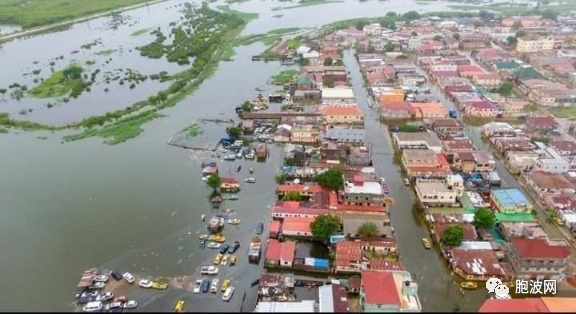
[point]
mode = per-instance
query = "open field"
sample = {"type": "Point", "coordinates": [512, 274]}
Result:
{"type": "Point", "coordinates": [564, 112]}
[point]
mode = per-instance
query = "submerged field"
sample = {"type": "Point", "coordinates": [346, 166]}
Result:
{"type": "Point", "coordinates": [31, 13]}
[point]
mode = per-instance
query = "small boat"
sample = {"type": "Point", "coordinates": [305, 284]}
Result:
{"type": "Point", "coordinates": [217, 238]}
{"type": "Point", "coordinates": [238, 168]}
{"type": "Point", "coordinates": [215, 155]}
{"type": "Point", "coordinates": [250, 180]}
{"type": "Point", "coordinates": [426, 243]}
{"type": "Point", "coordinates": [214, 245]}
{"type": "Point", "coordinates": [234, 221]}
{"type": "Point", "coordinates": [224, 150]}
{"type": "Point", "coordinates": [251, 170]}
{"type": "Point", "coordinates": [203, 217]}
{"type": "Point", "coordinates": [239, 155]}
{"type": "Point", "coordinates": [202, 244]}
{"type": "Point", "coordinates": [230, 157]}
{"type": "Point", "coordinates": [233, 197]}
{"type": "Point", "coordinates": [204, 236]}
{"type": "Point", "coordinates": [468, 285]}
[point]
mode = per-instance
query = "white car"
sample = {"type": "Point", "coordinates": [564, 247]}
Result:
{"type": "Point", "coordinates": [215, 285]}
{"type": "Point", "coordinates": [197, 286]}
{"type": "Point", "coordinates": [129, 277]}
{"type": "Point", "coordinates": [101, 278]}
{"type": "Point", "coordinates": [113, 305]}
{"type": "Point", "coordinates": [209, 270]}
{"type": "Point", "coordinates": [132, 304]}
{"type": "Point", "coordinates": [145, 283]}
{"type": "Point", "coordinates": [95, 306]}
{"type": "Point", "coordinates": [228, 294]}
{"type": "Point", "coordinates": [105, 297]}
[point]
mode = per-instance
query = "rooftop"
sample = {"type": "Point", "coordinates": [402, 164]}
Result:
{"type": "Point", "coordinates": [373, 188]}
{"type": "Point", "coordinates": [306, 306]}
{"type": "Point", "coordinates": [432, 187]}
{"type": "Point", "coordinates": [510, 197]}
{"type": "Point", "coordinates": [540, 249]}
{"type": "Point", "coordinates": [297, 224]}
{"type": "Point", "coordinates": [429, 137]}
{"type": "Point", "coordinates": [332, 299]}
{"type": "Point", "coordinates": [340, 111]}
{"type": "Point", "coordinates": [419, 154]}
{"type": "Point", "coordinates": [478, 262]}
{"type": "Point", "coordinates": [379, 288]}
{"type": "Point", "coordinates": [342, 93]}
{"type": "Point", "coordinates": [347, 252]}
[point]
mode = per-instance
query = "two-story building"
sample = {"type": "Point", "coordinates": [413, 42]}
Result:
{"type": "Point", "coordinates": [539, 259]}
{"type": "Point", "coordinates": [510, 200]}
{"type": "Point", "coordinates": [474, 161]}
{"type": "Point", "coordinates": [439, 192]}
{"type": "Point", "coordinates": [341, 114]}
{"type": "Point", "coordinates": [358, 191]}
{"type": "Point", "coordinates": [448, 127]}
{"type": "Point", "coordinates": [552, 162]}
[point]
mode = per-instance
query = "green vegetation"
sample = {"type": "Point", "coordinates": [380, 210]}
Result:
{"type": "Point", "coordinates": [281, 178]}
{"type": "Point", "coordinates": [408, 128]}
{"type": "Point", "coordinates": [484, 218]}
{"type": "Point", "coordinates": [192, 131]}
{"type": "Point", "coordinates": [563, 112]}
{"type": "Point", "coordinates": [292, 196]}
{"type": "Point", "coordinates": [324, 226]}
{"type": "Point", "coordinates": [247, 106]}
{"type": "Point", "coordinates": [369, 230]}
{"type": "Point", "coordinates": [306, 3]}
{"type": "Point", "coordinates": [268, 38]}
{"type": "Point", "coordinates": [453, 235]}
{"type": "Point", "coordinates": [331, 179]}
{"type": "Point", "coordinates": [140, 32]}
{"type": "Point", "coordinates": [118, 132]}
{"type": "Point", "coordinates": [214, 181]}
{"type": "Point", "coordinates": [105, 52]}
{"type": "Point", "coordinates": [61, 83]}
{"type": "Point", "coordinates": [284, 77]}
{"type": "Point", "coordinates": [31, 13]}
{"type": "Point", "coordinates": [506, 88]}
{"type": "Point", "coordinates": [2, 130]}
{"type": "Point", "coordinates": [277, 16]}
{"type": "Point", "coordinates": [521, 9]}
{"type": "Point", "coordinates": [234, 132]}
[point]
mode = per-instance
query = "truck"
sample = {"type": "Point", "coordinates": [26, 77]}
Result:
{"type": "Point", "coordinates": [255, 249]}
{"type": "Point", "coordinates": [453, 113]}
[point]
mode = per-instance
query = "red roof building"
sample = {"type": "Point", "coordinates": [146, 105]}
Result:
{"type": "Point", "coordinates": [348, 256]}
{"type": "Point", "coordinates": [539, 258]}
{"type": "Point", "coordinates": [479, 264]}
{"type": "Point", "coordinates": [272, 253]}
{"type": "Point", "coordinates": [274, 228]}
{"type": "Point", "coordinates": [469, 71]}
{"type": "Point", "coordinates": [297, 226]}
{"type": "Point", "coordinates": [379, 289]}
{"type": "Point", "coordinates": [292, 211]}
{"type": "Point", "coordinates": [287, 252]}
{"type": "Point", "coordinates": [528, 305]}
{"type": "Point", "coordinates": [301, 189]}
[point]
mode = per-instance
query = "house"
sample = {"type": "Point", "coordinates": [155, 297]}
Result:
{"type": "Point", "coordinates": [528, 230]}
{"type": "Point", "coordinates": [345, 114]}
{"type": "Point", "coordinates": [514, 107]}
{"type": "Point", "coordinates": [552, 162]}
{"type": "Point", "coordinates": [529, 44]}
{"type": "Point", "coordinates": [479, 264]}
{"type": "Point", "coordinates": [351, 136]}
{"type": "Point", "coordinates": [306, 95]}
{"type": "Point", "coordinates": [521, 161]}
{"type": "Point", "coordinates": [351, 222]}
{"type": "Point", "coordinates": [538, 259]}
{"type": "Point", "coordinates": [564, 147]}
{"type": "Point", "coordinates": [287, 251]}
{"type": "Point", "coordinates": [504, 145]}
{"type": "Point", "coordinates": [417, 140]}
{"type": "Point", "coordinates": [429, 110]}
{"type": "Point", "coordinates": [542, 124]}
{"type": "Point", "coordinates": [388, 291]}
{"type": "Point", "coordinates": [304, 306]}
{"type": "Point", "coordinates": [274, 229]}
{"type": "Point", "coordinates": [469, 230]}
{"type": "Point", "coordinates": [395, 110]}
{"type": "Point", "coordinates": [425, 163]}
{"type": "Point", "coordinates": [298, 227]}
{"type": "Point", "coordinates": [481, 109]}
{"type": "Point", "coordinates": [304, 190]}
{"type": "Point", "coordinates": [272, 257]}
{"type": "Point", "coordinates": [332, 299]}
{"type": "Point", "coordinates": [358, 191]}
{"type": "Point", "coordinates": [305, 83]}
{"type": "Point", "coordinates": [454, 84]}
{"type": "Point", "coordinates": [543, 182]}
{"type": "Point", "coordinates": [392, 95]}
{"type": "Point", "coordinates": [294, 210]}
{"type": "Point", "coordinates": [229, 184]}
{"type": "Point", "coordinates": [469, 71]}
{"type": "Point", "coordinates": [439, 192]}
{"type": "Point", "coordinates": [473, 40]}
{"type": "Point", "coordinates": [488, 80]}
{"type": "Point", "coordinates": [474, 161]}
{"type": "Point", "coordinates": [447, 127]}
{"type": "Point", "coordinates": [522, 305]}
{"type": "Point", "coordinates": [348, 257]}
{"type": "Point", "coordinates": [305, 134]}
{"type": "Point", "coordinates": [510, 200]}
{"type": "Point", "coordinates": [338, 95]}
{"type": "Point", "coordinates": [381, 246]}
{"type": "Point", "coordinates": [360, 156]}
{"type": "Point", "coordinates": [283, 133]}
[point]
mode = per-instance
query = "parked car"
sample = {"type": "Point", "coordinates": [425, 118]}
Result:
{"type": "Point", "coordinates": [224, 248]}
{"type": "Point", "coordinates": [97, 285]}
{"type": "Point", "coordinates": [85, 300]}
{"type": "Point", "coordinates": [228, 294]}
{"type": "Point", "coordinates": [232, 260]}
{"type": "Point", "coordinates": [129, 277]}
{"type": "Point", "coordinates": [105, 297]}
{"type": "Point", "coordinates": [116, 275]}
{"type": "Point", "coordinates": [218, 259]}
{"type": "Point", "coordinates": [101, 278]}
{"type": "Point", "coordinates": [92, 293]}
{"type": "Point", "coordinates": [197, 286]}
{"type": "Point", "coordinates": [132, 304]}
{"type": "Point", "coordinates": [225, 285]}
{"type": "Point", "coordinates": [205, 285]}
{"type": "Point", "coordinates": [209, 270]}
{"type": "Point", "coordinates": [215, 285]}
{"type": "Point", "coordinates": [235, 247]}
{"type": "Point", "coordinates": [114, 305]}
{"type": "Point", "coordinates": [180, 306]}
{"type": "Point", "coordinates": [145, 283]}
{"type": "Point", "coordinates": [260, 228]}
{"type": "Point", "coordinates": [95, 306]}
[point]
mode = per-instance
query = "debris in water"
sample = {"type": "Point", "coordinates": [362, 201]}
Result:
{"type": "Point", "coordinates": [179, 261]}
{"type": "Point", "coordinates": [173, 213]}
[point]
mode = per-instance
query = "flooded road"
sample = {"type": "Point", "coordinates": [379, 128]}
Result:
{"type": "Point", "coordinates": [68, 207]}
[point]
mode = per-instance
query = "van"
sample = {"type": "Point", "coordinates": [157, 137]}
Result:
{"type": "Point", "coordinates": [228, 294]}
{"type": "Point", "coordinates": [95, 306]}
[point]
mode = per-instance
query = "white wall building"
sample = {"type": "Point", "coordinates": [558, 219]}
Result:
{"type": "Point", "coordinates": [553, 162]}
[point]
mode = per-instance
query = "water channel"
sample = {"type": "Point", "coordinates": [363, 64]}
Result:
{"type": "Point", "coordinates": [137, 206]}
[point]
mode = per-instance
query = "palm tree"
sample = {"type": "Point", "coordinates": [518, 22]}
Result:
{"type": "Point", "coordinates": [369, 230]}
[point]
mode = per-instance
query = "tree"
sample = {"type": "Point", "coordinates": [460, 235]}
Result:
{"type": "Point", "coordinates": [453, 235]}
{"type": "Point", "coordinates": [520, 34]}
{"type": "Point", "coordinates": [389, 47]}
{"type": "Point", "coordinates": [456, 36]}
{"type": "Point", "coordinates": [281, 178]}
{"type": "Point", "coordinates": [214, 181]}
{"type": "Point", "coordinates": [391, 14]}
{"type": "Point", "coordinates": [506, 88]}
{"type": "Point", "coordinates": [234, 132]}
{"type": "Point", "coordinates": [511, 40]}
{"type": "Point", "coordinates": [328, 61]}
{"type": "Point", "coordinates": [477, 24]}
{"type": "Point", "coordinates": [486, 15]}
{"type": "Point", "coordinates": [411, 16]}
{"type": "Point", "coordinates": [328, 82]}
{"type": "Point", "coordinates": [438, 37]}
{"type": "Point", "coordinates": [331, 179]}
{"type": "Point", "coordinates": [292, 196]}
{"type": "Point", "coordinates": [369, 230]}
{"type": "Point", "coordinates": [289, 162]}
{"type": "Point", "coordinates": [247, 106]}
{"type": "Point", "coordinates": [517, 25]}
{"type": "Point", "coordinates": [414, 34]}
{"type": "Point", "coordinates": [303, 62]}
{"type": "Point", "coordinates": [484, 218]}
{"type": "Point", "coordinates": [360, 25]}
{"type": "Point", "coordinates": [324, 226]}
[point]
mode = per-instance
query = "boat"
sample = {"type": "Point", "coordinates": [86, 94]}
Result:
{"type": "Point", "coordinates": [426, 243]}
{"type": "Point", "coordinates": [202, 244]}
{"type": "Point", "coordinates": [468, 285]}
{"type": "Point", "coordinates": [239, 155]}
{"type": "Point", "coordinates": [234, 221]}
{"type": "Point", "coordinates": [215, 224]}
{"type": "Point", "coordinates": [238, 168]}
{"type": "Point", "coordinates": [204, 236]}
{"type": "Point", "coordinates": [214, 245]}
{"type": "Point", "coordinates": [230, 157]}
{"type": "Point", "coordinates": [217, 238]}
{"type": "Point", "coordinates": [232, 260]}
{"type": "Point", "coordinates": [250, 180]}
{"type": "Point", "coordinates": [251, 170]}
{"type": "Point", "coordinates": [224, 150]}
{"type": "Point", "coordinates": [233, 197]}
{"type": "Point", "coordinates": [203, 217]}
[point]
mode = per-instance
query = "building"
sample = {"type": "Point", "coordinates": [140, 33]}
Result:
{"type": "Point", "coordinates": [392, 95]}
{"type": "Point", "coordinates": [498, 129]}
{"type": "Point", "coordinates": [305, 306]}
{"type": "Point", "coordinates": [351, 136]}
{"type": "Point", "coordinates": [389, 291]}
{"type": "Point", "coordinates": [341, 114]}
{"type": "Point", "coordinates": [448, 127]}
{"type": "Point", "coordinates": [332, 299]}
{"type": "Point", "coordinates": [439, 192]}
{"type": "Point", "coordinates": [552, 162]}
{"type": "Point", "coordinates": [395, 110]}
{"type": "Point", "coordinates": [358, 191]}
{"type": "Point", "coordinates": [521, 161]}
{"type": "Point", "coordinates": [280, 253]}
{"type": "Point", "coordinates": [305, 134]}
{"type": "Point", "coordinates": [510, 200]}
{"type": "Point", "coordinates": [338, 95]}
{"type": "Point", "coordinates": [542, 124]}
{"type": "Point", "coordinates": [419, 158]}
{"type": "Point", "coordinates": [229, 184]}
{"type": "Point", "coordinates": [474, 161]}
{"type": "Point", "coordinates": [534, 44]}
{"type": "Point", "coordinates": [564, 147]}
{"type": "Point", "coordinates": [526, 305]}
{"type": "Point", "coordinates": [528, 230]}
{"type": "Point", "coordinates": [478, 264]}
{"type": "Point", "coordinates": [538, 259]}
{"type": "Point", "coordinates": [348, 257]}
{"type": "Point", "coordinates": [424, 110]}
{"type": "Point", "coordinates": [297, 227]}
{"type": "Point", "coordinates": [483, 109]}
{"type": "Point", "coordinates": [360, 156]}
{"type": "Point", "coordinates": [417, 140]}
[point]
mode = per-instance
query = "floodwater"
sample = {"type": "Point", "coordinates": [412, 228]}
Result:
{"type": "Point", "coordinates": [137, 206]}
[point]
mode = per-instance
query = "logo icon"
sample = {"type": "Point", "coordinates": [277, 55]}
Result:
{"type": "Point", "coordinates": [501, 292]}
{"type": "Point", "coordinates": [492, 283]}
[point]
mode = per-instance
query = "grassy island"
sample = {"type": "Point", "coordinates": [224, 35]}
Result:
{"type": "Point", "coordinates": [61, 83]}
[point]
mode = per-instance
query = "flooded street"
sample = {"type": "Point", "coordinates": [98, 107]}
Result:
{"type": "Point", "coordinates": [137, 206]}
